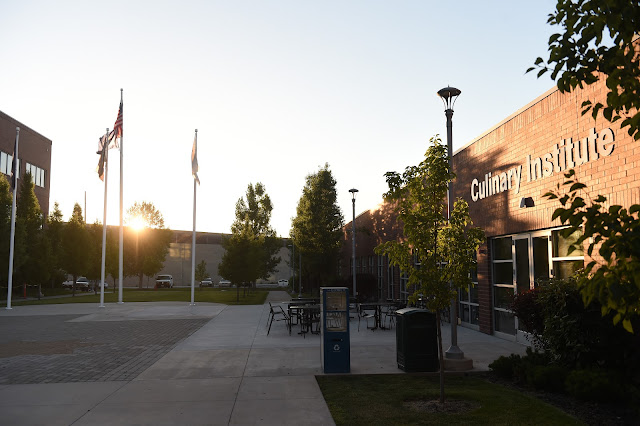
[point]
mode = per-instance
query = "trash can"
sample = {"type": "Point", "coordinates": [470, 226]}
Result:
{"type": "Point", "coordinates": [416, 340]}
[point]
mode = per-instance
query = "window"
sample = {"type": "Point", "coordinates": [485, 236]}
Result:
{"type": "Point", "coordinates": [390, 275]}
{"type": "Point", "coordinates": [565, 257]}
{"type": "Point", "coordinates": [520, 262]}
{"type": "Point", "coordinates": [468, 298]}
{"type": "Point", "coordinates": [404, 280]}
{"type": "Point", "coordinates": [503, 286]}
{"type": "Point", "coordinates": [37, 175]}
{"type": "Point", "coordinates": [6, 164]}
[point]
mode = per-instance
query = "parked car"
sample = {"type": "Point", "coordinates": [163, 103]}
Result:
{"type": "Point", "coordinates": [207, 282]}
{"type": "Point", "coordinates": [68, 284]}
{"type": "Point", "coordinates": [164, 281]}
{"type": "Point", "coordinates": [96, 285]}
{"type": "Point", "coordinates": [224, 283]}
{"type": "Point", "coordinates": [82, 283]}
{"type": "Point", "coordinates": [283, 283]}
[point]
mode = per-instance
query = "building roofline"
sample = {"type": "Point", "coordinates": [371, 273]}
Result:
{"type": "Point", "coordinates": [509, 118]}
{"type": "Point", "coordinates": [23, 126]}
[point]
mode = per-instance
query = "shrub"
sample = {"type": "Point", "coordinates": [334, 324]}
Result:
{"type": "Point", "coordinates": [594, 385]}
{"type": "Point", "coordinates": [505, 366]}
{"type": "Point", "coordinates": [529, 312]}
{"type": "Point", "coordinates": [547, 377]}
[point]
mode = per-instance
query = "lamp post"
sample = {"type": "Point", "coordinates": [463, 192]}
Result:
{"type": "Point", "coordinates": [291, 270]}
{"type": "Point", "coordinates": [353, 192]}
{"type": "Point", "coordinates": [449, 96]}
{"type": "Point", "coordinates": [300, 280]}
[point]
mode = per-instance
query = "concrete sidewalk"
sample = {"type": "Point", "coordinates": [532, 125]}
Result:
{"type": "Point", "coordinates": [227, 371]}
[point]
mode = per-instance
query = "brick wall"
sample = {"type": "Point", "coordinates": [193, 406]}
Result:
{"type": "Point", "coordinates": [607, 160]}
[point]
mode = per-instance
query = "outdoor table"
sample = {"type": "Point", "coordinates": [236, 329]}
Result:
{"type": "Point", "coordinates": [377, 312]}
{"type": "Point", "coordinates": [307, 315]}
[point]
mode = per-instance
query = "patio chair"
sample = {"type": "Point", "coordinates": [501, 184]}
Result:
{"type": "Point", "coordinates": [389, 313]}
{"type": "Point", "coordinates": [365, 313]}
{"type": "Point", "coordinates": [276, 313]}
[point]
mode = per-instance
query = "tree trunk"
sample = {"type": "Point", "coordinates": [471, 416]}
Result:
{"type": "Point", "coordinates": [441, 357]}
{"type": "Point", "coordinates": [140, 280]}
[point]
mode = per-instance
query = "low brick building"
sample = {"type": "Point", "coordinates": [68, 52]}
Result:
{"type": "Point", "coordinates": [503, 175]}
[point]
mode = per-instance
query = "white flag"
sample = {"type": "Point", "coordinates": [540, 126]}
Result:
{"type": "Point", "coordinates": [194, 158]}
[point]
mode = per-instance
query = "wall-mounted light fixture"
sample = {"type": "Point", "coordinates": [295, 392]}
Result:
{"type": "Point", "coordinates": [526, 202]}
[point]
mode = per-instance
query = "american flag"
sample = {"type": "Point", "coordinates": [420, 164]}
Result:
{"type": "Point", "coordinates": [117, 127]}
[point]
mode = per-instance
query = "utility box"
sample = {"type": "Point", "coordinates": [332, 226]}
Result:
{"type": "Point", "coordinates": [334, 322]}
{"type": "Point", "coordinates": [417, 340]}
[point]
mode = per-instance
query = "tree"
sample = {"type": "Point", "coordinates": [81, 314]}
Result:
{"type": "Point", "coordinates": [150, 246]}
{"type": "Point", "coordinates": [5, 228]}
{"type": "Point", "coordinates": [54, 234]}
{"type": "Point", "coordinates": [76, 246]}
{"type": "Point", "coordinates": [94, 269]}
{"type": "Point", "coordinates": [253, 218]}
{"type": "Point", "coordinates": [597, 42]}
{"type": "Point", "coordinates": [250, 252]}
{"type": "Point", "coordinates": [236, 264]}
{"type": "Point", "coordinates": [201, 271]}
{"type": "Point", "coordinates": [436, 255]}
{"type": "Point", "coordinates": [613, 279]}
{"type": "Point", "coordinates": [31, 264]}
{"type": "Point", "coordinates": [317, 228]}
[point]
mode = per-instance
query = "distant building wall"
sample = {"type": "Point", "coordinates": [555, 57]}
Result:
{"type": "Point", "coordinates": [208, 248]}
{"type": "Point", "coordinates": [34, 152]}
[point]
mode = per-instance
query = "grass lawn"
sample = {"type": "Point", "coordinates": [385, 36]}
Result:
{"type": "Point", "coordinates": [379, 399]}
{"type": "Point", "coordinates": [215, 295]}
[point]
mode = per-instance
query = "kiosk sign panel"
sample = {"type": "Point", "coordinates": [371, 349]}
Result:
{"type": "Point", "coordinates": [335, 345]}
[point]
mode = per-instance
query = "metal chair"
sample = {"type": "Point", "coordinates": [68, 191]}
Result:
{"type": "Point", "coordinates": [277, 311]}
{"type": "Point", "coordinates": [363, 313]}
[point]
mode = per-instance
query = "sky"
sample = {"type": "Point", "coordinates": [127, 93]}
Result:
{"type": "Point", "coordinates": [276, 89]}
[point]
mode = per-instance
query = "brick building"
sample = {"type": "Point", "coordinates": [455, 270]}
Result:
{"type": "Point", "coordinates": [503, 175]}
{"type": "Point", "coordinates": [34, 154]}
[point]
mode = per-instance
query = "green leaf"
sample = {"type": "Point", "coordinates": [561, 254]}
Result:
{"type": "Point", "coordinates": [576, 186]}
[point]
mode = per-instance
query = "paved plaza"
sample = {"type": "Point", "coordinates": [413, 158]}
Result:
{"type": "Point", "coordinates": [171, 363]}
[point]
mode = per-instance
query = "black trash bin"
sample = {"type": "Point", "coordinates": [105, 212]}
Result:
{"type": "Point", "coordinates": [417, 340]}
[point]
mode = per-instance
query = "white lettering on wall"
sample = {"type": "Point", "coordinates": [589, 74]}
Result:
{"type": "Point", "coordinates": [563, 156]}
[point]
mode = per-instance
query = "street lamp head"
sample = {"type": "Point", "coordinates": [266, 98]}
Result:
{"type": "Point", "coordinates": [449, 95]}
{"type": "Point", "coordinates": [353, 192]}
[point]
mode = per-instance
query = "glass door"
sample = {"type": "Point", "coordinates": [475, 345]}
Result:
{"type": "Point", "coordinates": [531, 262]}
{"type": "Point", "coordinates": [519, 262]}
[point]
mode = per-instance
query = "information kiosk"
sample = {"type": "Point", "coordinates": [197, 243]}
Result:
{"type": "Point", "coordinates": [335, 345]}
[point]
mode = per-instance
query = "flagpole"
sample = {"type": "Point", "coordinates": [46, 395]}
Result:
{"type": "Point", "coordinates": [104, 221]}
{"type": "Point", "coordinates": [121, 244]}
{"type": "Point", "coordinates": [14, 179]}
{"type": "Point", "coordinates": [193, 243]}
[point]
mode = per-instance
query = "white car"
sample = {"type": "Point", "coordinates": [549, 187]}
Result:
{"type": "Point", "coordinates": [224, 283]}
{"type": "Point", "coordinates": [164, 281]}
{"type": "Point", "coordinates": [207, 282]}
{"type": "Point", "coordinates": [82, 283]}
{"type": "Point", "coordinates": [283, 283]}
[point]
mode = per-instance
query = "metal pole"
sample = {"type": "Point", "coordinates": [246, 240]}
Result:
{"type": "Point", "coordinates": [300, 283]}
{"type": "Point", "coordinates": [14, 180]}
{"type": "Point", "coordinates": [193, 243]}
{"type": "Point", "coordinates": [104, 223]}
{"type": "Point", "coordinates": [353, 243]}
{"type": "Point", "coordinates": [454, 351]}
{"type": "Point", "coordinates": [121, 233]}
